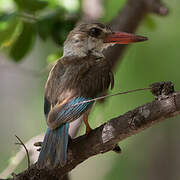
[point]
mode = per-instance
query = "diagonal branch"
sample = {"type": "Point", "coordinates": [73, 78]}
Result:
{"type": "Point", "coordinates": [105, 137]}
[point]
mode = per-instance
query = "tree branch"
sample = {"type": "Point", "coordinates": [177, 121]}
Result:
{"type": "Point", "coordinates": [105, 137]}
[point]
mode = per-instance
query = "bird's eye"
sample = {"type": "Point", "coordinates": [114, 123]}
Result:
{"type": "Point", "coordinates": [95, 32]}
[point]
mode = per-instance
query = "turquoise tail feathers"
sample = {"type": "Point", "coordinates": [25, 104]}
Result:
{"type": "Point", "coordinates": [54, 147]}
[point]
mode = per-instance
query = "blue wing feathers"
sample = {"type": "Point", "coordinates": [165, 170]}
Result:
{"type": "Point", "coordinates": [55, 144]}
{"type": "Point", "coordinates": [74, 109]}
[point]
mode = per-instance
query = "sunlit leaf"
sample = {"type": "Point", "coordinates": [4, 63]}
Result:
{"type": "Point", "coordinates": [5, 19]}
{"type": "Point", "coordinates": [71, 5]}
{"type": "Point", "coordinates": [24, 43]}
{"type": "Point", "coordinates": [31, 5]}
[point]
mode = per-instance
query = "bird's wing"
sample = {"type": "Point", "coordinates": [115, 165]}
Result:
{"type": "Point", "coordinates": [55, 91]}
{"type": "Point", "coordinates": [53, 87]}
{"type": "Point", "coordinates": [67, 112]}
{"type": "Point", "coordinates": [60, 104]}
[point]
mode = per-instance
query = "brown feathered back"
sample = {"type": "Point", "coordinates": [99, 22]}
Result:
{"type": "Point", "coordinates": [78, 77]}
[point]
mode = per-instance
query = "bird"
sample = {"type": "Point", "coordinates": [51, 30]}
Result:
{"type": "Point", "coordinates": [80, 75]}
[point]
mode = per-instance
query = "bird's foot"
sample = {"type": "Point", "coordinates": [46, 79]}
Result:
{"type": "Point", "coordinates": [117, 149]}
{"type": "Point", "coordinates": [85, 119]}
{"type": "Point", "coordinates": [88, 129]}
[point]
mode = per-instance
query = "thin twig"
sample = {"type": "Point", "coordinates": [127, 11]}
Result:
{"type": "Point", "coordinates": [19, 156]}
{"type": "Point", "coordinates": [21, 143]}
{"type": "Point", "coordinates": [111, 95]}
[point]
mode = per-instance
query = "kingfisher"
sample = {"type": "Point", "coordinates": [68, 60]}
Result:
{"type": "Point", "coordinates": [82, 74]}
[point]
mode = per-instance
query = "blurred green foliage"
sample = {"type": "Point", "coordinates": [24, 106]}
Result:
{"type": "Point", "coordinates": [112, 8]}
{"type": "Point", "coordinates": [31, 5]}
{"type": "Point", "coordinates": [30, 19]}
{"type": "Point", "coordinates": [49, 21]}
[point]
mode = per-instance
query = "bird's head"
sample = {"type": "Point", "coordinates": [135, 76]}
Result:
{"type": "Point", "coordinates": [93, 38]}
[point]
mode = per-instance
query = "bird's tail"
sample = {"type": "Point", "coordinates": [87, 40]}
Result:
{"type": "Point", "coordinates": [54, 147]}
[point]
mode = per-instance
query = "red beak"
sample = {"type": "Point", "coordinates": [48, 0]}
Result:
{"type": "Point", "coordinates": [123, 38]}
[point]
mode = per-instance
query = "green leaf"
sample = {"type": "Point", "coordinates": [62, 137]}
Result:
{"type": "Point", "coordinates": [5, 19]}
{"type": "Point", "coordinates": [31, 5]}
{"type": "Point", "coordinates": [46, 23]}
{"type": "Point", "coordinates": [61, 30]}
{"type": "Point", "coordinates": [44, 26]}
{"type": "Point", "coordinates": [44, 29]}
{"type": "Point", "coordinates": [10, 33]}
{"type": "Point", "coordinates": [24, 43]}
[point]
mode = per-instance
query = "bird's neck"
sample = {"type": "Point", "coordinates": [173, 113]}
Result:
{"type": "Point", "coordinates": [80, 51]}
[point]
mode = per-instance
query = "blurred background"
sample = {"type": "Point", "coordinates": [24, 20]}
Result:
{"type": "Point", "coordinates": [32, 33]}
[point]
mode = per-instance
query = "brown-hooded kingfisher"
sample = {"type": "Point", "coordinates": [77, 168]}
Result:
{"type": "Point", "coordinates": [81, 74]}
